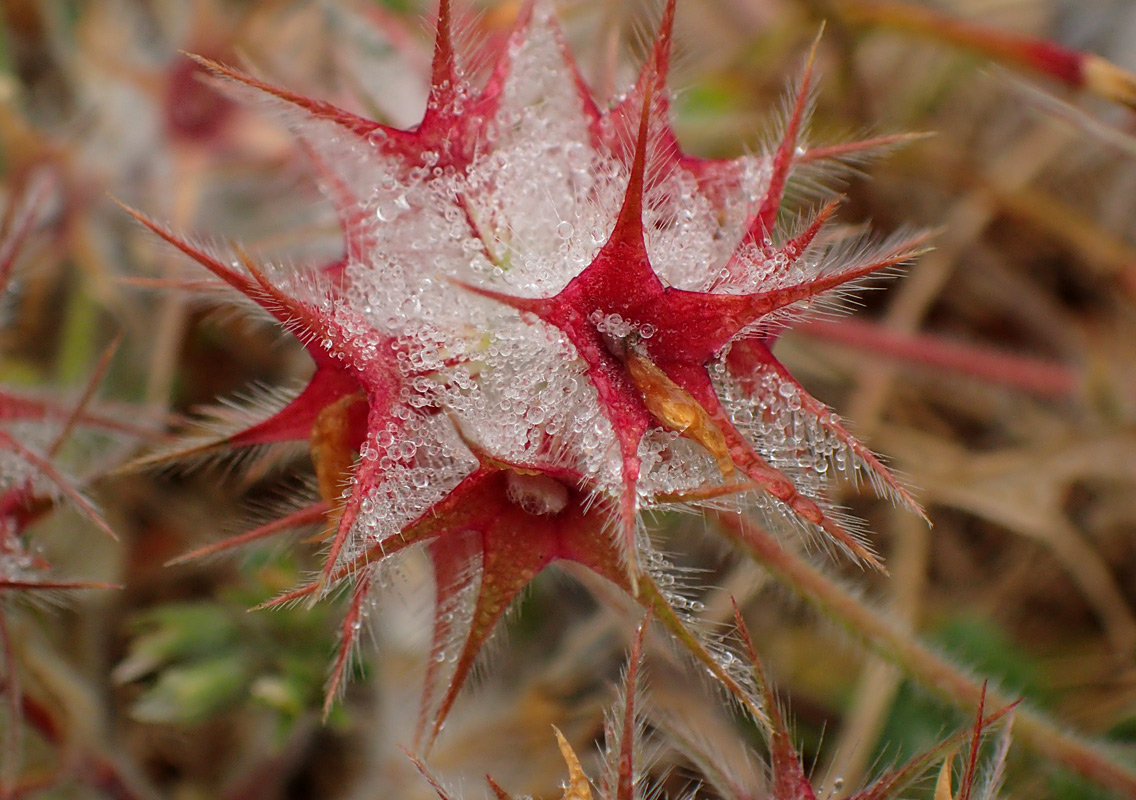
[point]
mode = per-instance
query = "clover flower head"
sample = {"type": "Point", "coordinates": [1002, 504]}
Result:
{"type": "Point", "coordinates": [546, 320]}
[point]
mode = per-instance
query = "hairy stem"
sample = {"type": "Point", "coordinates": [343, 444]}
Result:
{"type": "Point", "coordinates": [876, 631]}
{"type": "Point", "coordinates": [1084, 71]}
{"type": "Point", "coordinates": [1032, 375]}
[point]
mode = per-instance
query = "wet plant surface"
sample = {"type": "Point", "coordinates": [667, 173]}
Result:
{"type": "Point", "coordinates": [459, 350]}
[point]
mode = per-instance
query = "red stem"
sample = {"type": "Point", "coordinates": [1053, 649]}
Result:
{"type": "Point", "coordinates": [93, 768]}
{"type": "Point", "coordinates": [1032, 375]}
{"type": "Point", "coordinates": [1039, 55]}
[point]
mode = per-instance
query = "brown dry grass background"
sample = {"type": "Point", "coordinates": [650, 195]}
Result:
{"type": "Point", "coordinates": [1028, 470]}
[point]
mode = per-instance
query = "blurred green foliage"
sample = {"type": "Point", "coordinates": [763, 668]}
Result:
{"type": "Point", "coordinates": [194, 660]}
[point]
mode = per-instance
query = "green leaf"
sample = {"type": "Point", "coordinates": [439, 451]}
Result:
{"type": "Point", "coordinates": [175, 633]}
{"type": "Point", "coordinates": [191, 693]}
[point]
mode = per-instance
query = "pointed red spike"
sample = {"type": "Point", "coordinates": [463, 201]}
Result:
{"type": "Point", "coordinates": [309, 325]}
{"type": "Point", "coordinates": [292, 313]}
{"type": "Point", "coordinates": [453, 576]}
{"type": "Point", "coordinates": [516, 39]}
{"type": "Point", "coordinates": [762, 225]}
{"type": "Point", "coordinates": [449, 514]}
{"type": "Point", "coordinates": [625, 780]}
{"type": "Point", "coordinates": [84, 402]}
{"type": "Point", "coordinates": [20, 218]}
{"type": "Point", "coordinates": [230, 276]}
{"type": "Point", "coordinates": [50, 585]}
{"type": "Point", "coordinates": [650, 90]}
{"type": "Point", "coordinates": [850, 149]}
{"type": "Point", "coordinates": [892, 781]}
{"type": "Point", "coordinates": [976, 740]}
{"type": "Point", "coordinates": [435, 784]}
{"type": "Point", "coordinates": [737, 311]}
{"type": "Point", "coordinates": [367, 474]}
{"type": "Point", "coordinates": [509, 564]}
{"type": "Point", "coordinates": [767, 302]}
{"type": "Point", "coordinates": [311, 515]}
{"type": "Point", "coordinates": [287, 598]}
{"type": "Point", "coordinates": [652, 78]}
{"type": "Point", "coordinates": [46, 468]}
{"type": "Point", "coordinates": [789, 781]}
{"type": "Point", "coordinates": [657, 97]}
{"type": "Point", "coordinates": [749, 358]}
{"type": "Point", "coordinates": [791, 250]}
{"type": "Point", "coordinates": [773, 481]}
{"type": "Point", "coordinates": [661, 53]}
{"type": "Point", "coordinates": [443, 69]}
{"type": "Point", "coordinates": [430, 525]}
{"type": "Point", "coordinates": [348, 639]}
{"type": "Point", "coordinates": [284, 308]}
{"type": "Point", "coordinates": [14, 406]}
{"type": "Point", "coordinates": [800, 243]}
{"type": "Point", "coordinates": [744, 634]}
{"type": "Point", "coordinates": [541, 307]}
{"type": "Point", "coordinates": [584, 92]}
{"type": "Point", "coordinates": [629, 224]}
{"type": "Point", "coordinates": [487, 103]}
{"type": "Point", "coordinates": [768, 696]}
{"type": "Point", "coordinates": [498, 792]}
{"type": "Point", "coordinates": [319, 109]}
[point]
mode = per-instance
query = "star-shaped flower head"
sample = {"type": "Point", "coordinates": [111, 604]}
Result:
{"type": "Point", "coordinates": [653, 330]}
{"type": "Point", "coordinates": [547, 319]}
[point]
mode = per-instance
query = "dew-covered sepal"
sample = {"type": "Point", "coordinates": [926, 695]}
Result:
{"type": "Point", "coordinates": [546, 320]}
